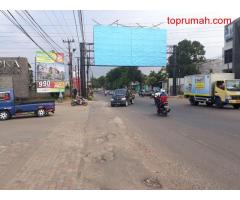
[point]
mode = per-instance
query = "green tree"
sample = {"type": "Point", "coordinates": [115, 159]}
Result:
{"type": "Point", "coordinates": [99, 82]}
{"type": "Point", "coordinates": [189, 55]}
{"type": "Point", "coordinates": [154, 78]}
{"type": "Point", "coordinates": [123, 76]}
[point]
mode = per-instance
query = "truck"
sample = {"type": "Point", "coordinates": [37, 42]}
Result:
{"type": "Point", "coordinates": [9, 107]}
{"type": "Point", "coordinates": [217, 89]}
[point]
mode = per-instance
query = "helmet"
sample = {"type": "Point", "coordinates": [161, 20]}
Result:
{"type": "Point", "coordinates": [157, 94]}
{"type": "Point", "coordinates": [162, 91]}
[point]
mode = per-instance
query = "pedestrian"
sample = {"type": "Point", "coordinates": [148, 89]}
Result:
{"type": "Point", "coordinates": [74, 93]}
{"type": "Point", "coordinates": [60, 97]}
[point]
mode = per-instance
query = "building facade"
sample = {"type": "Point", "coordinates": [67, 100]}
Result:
{"type": "Point", "coordinates": [14, 72]}
{"type": "Point", "coordinates": [231, 49]}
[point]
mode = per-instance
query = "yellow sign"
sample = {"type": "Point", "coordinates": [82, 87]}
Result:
{"type": "Point", "coordinates": [49, 57]}
{"type": "Point", "coordinates": [199, 82]}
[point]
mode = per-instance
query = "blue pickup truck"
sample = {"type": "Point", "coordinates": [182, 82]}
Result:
{"type": "Point", "coordinates": [10, 108]}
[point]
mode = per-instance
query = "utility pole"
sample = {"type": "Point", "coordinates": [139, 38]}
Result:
{"type": "Point", "coordinates": [88, 63]}
{"type": "Point", "coordinates": [78, 76]}
{"type": "Point", "coordinates": [174, 70]}
{"type": "Point", "coordinates": [70, 63]}
{"type": "Point", "coordinates": [82, 70]}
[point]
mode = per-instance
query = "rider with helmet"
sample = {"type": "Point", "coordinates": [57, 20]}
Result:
{"type": "Point", "coordinates": [161, 97]}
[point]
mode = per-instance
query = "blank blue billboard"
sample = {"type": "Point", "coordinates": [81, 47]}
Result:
{"type": "Point", "coordinates": [124, 46]}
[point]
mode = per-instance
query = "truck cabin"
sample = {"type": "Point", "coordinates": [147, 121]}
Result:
{"type": "Point", "coordinates": [4, 96]}
{"type": "Point", "coordinates": [229, 85]}
{"type": "Point", "coordinates": [220, 85]}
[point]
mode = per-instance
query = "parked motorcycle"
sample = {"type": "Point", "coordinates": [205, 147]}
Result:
{"type": "Point", "coordinates": [79, 101]}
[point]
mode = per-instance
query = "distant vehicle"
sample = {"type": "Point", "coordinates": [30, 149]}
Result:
{"type": "Point", "coordinates": [106, 92]}
{"type": "Point", "coordinates": [10, 108]}
{"type": "Point", "coordinates": [144, 93]}
{"type": "Point", "coordinates": [219, 89]}
{"type": "Point", "coordinates": [122, 97]}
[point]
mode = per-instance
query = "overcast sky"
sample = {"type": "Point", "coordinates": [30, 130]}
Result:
{"type": "Point", "coordinates": [60, 25]}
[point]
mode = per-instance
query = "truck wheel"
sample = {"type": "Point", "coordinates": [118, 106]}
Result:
{"type": "Point", "coordinates": [218, 102]}
{"type": "Point", "coordinates": [4, 115]}
{"type": "Point", "coordinates": [209, 104]}
{"type": "Point", "coordinates": [193, 102]}
{"type": "Point", "coordinates": [236, 106]}
{"type": "Point", "coordinates": [41, 113]}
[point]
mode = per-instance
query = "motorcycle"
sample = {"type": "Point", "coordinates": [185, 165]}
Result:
{"type": "Point", "coordinates": [163, 108]}
{"type": "Point", "coordinates": [79, 101]}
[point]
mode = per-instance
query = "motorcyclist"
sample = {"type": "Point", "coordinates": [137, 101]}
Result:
{"type": "Point", "coordinates": [161, 98]}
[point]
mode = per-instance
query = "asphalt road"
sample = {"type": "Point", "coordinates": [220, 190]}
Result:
{"type": "Point", "coordinates": [85, 147]}
{"type": "Point", "coordinates": [205, 140]}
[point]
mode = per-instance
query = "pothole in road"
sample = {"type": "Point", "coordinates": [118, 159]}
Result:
{"type": "Point", "coordinates": [152, 182]}
{"type": "Point", "coordinates": [108, 156]}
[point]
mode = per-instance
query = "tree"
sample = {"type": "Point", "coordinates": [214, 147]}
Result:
{"type": "Point", "coordinates": [123, 76]}
{"type": "Point", "coordinates": [189, 55]}
{"type": "Point", "coordinates": [154, 78]}
{"type": "Point", "coordinates": [99, 82]}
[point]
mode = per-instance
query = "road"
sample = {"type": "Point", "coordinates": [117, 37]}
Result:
{"type": "Point", "coordinates": [100, 147]}
{"type": "Point", "coordinates": [204, 140]}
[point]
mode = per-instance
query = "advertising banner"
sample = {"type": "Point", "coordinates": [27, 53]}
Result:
{"type": "Point", "coordinates": [129, 46]}
{"type": "Point", "coordinates": [200, 82]}
{"type": "Point", "coordinates": [50, 72]}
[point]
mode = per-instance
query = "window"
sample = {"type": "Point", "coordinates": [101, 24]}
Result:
{"type": "Point", "coordinates": [221, 85]}
{"type": "Point", "coordinates": [228, 56]}
{"type": "Point", "coordinates": [4, 96]}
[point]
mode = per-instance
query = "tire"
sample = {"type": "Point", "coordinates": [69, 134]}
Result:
{"type": "Point", "coordinates": [41, 112]}
{"type": "Point", "coordinates": [4, 115]}
{"type": "Point", "coordinates": [236, 106]}
{"type": "Point", "coordinates": [126, 104]}
{"type": "Point", "coordinates": [85, 104]}
{"type": "Point", "coordinates": [112, 105]}
{"type": "Point", "coordinates": [218, 102]}
{"type": "Point", "coordinates": [193, 102]}
{"type": "Point", "coordinates": [209, 104]}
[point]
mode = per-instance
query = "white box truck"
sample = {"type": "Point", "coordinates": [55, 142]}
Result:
{"type": "Point", "coordinates": [216, 88]}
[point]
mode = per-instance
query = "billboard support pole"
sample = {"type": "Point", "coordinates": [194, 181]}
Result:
{"type": "Point", "coordinates": [174, 70]}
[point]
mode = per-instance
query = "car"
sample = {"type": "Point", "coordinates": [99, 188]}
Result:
{"type": "Point", "coordinates": [122, 97]}
{"type": "Point", "coordinates": [145, 93]}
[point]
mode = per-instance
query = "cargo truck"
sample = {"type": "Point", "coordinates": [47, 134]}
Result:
{"type": "Point", "coordinates": [218, 89]}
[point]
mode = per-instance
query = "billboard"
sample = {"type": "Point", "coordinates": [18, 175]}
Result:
{"type": "Point", "coordinates": [127, 46]}
{"type": "Point", "coordinates": [50, 72]}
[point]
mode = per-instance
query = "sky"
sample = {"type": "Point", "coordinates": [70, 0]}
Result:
{"type": "Point", "coordinates": [60, 25]}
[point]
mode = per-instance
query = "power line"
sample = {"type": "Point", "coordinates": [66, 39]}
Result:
{"type": "Point", "coordinates": [33, 26]}
{"type": "Point", "coordinates": [12, 19]}
{"type": "Point", "coordinates": [76, 26]}
{"type": "Point", "coordinates": [64, 19]}
{"type": "Point", "coordinates": [43, 30]}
